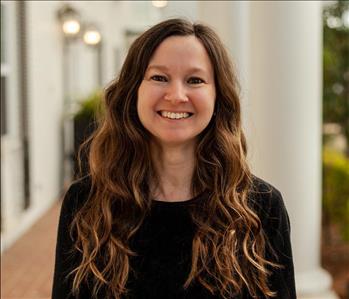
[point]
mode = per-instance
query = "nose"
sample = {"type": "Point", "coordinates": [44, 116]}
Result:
{"type": "Point", "coordinates": [176, 93]}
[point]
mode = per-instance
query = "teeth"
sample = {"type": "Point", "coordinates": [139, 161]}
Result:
{"type": "Point", "coordinates": [173, 115]}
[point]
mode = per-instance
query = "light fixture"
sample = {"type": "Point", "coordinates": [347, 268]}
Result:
{"type": "Point", "coordinates": [71, 27]}
{"type": "Point", "coordinates": [159, 4]}
{"type": "Point", "coordinates": [70, 21]}
{"type": "Point", "coordinates": [91, 35]}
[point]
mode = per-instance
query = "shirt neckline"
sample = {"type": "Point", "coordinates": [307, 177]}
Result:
{"type": "Point", "coordinates": [177, 203]}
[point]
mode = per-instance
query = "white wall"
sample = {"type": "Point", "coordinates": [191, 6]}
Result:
{"type": "Point", "coordinates": [11, 147]}
{"type": "Point", "coordinates": [46, 95]}
{"type": "Point", "coordinates": [44, 109]}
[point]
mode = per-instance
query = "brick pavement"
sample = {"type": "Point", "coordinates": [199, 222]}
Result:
{"type": "Point", "coordinates": [27, 267]}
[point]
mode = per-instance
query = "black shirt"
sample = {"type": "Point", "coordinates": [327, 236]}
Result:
{"type": "Point", "coordinates": [163, 246]}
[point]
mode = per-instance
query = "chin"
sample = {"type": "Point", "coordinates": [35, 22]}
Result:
{"type": "Point", "coordinates": [175, 141]}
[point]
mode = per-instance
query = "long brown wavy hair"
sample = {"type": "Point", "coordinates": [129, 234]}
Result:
{"type": "Point", "coordinates": [228, 249]}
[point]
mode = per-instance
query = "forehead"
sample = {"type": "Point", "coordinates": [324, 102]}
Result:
{"type": "Point", "coordinates": [183, 52]}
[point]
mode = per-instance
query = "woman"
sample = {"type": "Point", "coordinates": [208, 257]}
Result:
{"type": "Point", "coordinates": [169, 208]}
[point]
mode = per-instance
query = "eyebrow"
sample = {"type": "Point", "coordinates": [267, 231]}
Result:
{"type": "Point", "coordinates": [165, 68]}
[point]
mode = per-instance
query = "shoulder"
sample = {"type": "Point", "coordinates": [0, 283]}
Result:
{"type": "Point", "coordinates": [264, 194]}
{"type": "Point", "coordinates": [67, 257]}
{"type": "Point", "coordinates": [267, 201]}
{"type": "Point", "coordinates": [76, 195]}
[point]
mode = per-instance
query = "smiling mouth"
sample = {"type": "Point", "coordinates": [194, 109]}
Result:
{"type": "Point", "coordinates": [175, 115]}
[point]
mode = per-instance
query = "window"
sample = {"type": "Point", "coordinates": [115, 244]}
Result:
{"type": "Point", "coordinates": [4, 71]}
{"type": "Point", "coordinates": [3, 106]}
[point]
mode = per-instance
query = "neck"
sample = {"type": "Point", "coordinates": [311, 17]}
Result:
{"type": "Point", "coordinates": [174, 166]}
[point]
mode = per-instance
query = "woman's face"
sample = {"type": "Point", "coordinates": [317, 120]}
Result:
{"type": "Point", "coordinates": [177, 95]}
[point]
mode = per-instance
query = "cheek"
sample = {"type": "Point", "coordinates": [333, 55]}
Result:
{"type": "Point", "coordinates": [142, 98]}
{"type": "Point", "coordinates": [148, 97]}
{"type": "Point", "coordinates": [205, 101]}
{"type": "Point", "coordinates": [141, 101]}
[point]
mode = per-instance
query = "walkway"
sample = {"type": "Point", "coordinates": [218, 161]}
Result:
{"type": "Point", "coordinates": [27, 267]}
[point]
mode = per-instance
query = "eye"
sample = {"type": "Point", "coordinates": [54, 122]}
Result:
{"type": "Point", "coordinates": [195, 80]}
{"type": "Point", "coordinates": [159, 78]}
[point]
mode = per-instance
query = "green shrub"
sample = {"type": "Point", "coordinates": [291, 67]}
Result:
{"type": "Point", "coordinates": [336, 190]}
{"type": "Point", "coordinates": [90, 107]}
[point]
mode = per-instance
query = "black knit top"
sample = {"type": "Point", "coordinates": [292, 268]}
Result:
{"type": "Point", "coordinates": [163, 246]}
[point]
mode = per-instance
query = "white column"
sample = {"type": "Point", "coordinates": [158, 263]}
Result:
{"type": "Point", "coordinates": [232, 26]}
{"type": "Point", "coordinates": [286, 92]}
{"type": "Point", "coordinates": [277, 49]}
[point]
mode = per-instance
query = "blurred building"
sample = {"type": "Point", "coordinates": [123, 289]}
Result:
{"type": "Point", "coordinates": [276, 48]}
